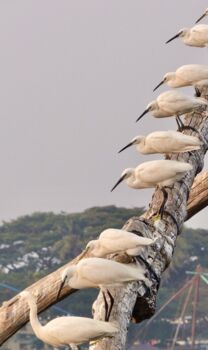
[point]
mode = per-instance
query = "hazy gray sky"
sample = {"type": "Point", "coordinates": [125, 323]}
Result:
{"type": "Point", "coordinates": [74, 77]}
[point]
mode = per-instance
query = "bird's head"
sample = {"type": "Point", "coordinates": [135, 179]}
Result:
{"type": "Point", "coordinates": [66, 275]}
{"type": "Point", "coordinates": [125, 175]}
{"type": "Point", "coordinates": [91, 245]}
{"type": "Point", "coordinates": [167, 77]}
{"type": "Point", "coordinates": [135, 141]}
{"type": "Point", "coordinates": [182, 32]}
{"type": "Point", "coordinates": [150, 107]}
{"type": "Point", "coordinates": [202, 16]}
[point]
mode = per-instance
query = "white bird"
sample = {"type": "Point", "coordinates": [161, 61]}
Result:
{"type": "Point", "coordinates": [164, 142]}
{"type": "Point", "coordinates": [114, 240]}
{"type": "Point", "coordinates": [154, 173]}
{"type": "Point", "coordinates": [196, 36]}
{"type": "Point", "coordinates": [204, 15]}
{"type": "Point", "coordinates": [187, 75]}
{"type": "Point", "coordinates": [99, 273]}
{"type": "Point", "coordinates": [161, 173]}
{"type": "Point", "coordinates": [67, 330]}
{"type": "Point", "coordinates": [172, 103]}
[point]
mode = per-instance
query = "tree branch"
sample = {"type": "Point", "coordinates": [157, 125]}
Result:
{"type": "Point", "coordinates": [198, 198]}
{"type": "Point", "coordinates": [136, 296]}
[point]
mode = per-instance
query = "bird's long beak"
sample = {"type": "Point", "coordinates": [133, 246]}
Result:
{"type": "Point", "coordinates": [118, 182]}
{"type": "Point", "coordinates": [129, 144]}
{"type": "Point", "coordinates": [145, 112]}
{"type": "Point", "coordinates": [61, 286]}
{"type": "Point", "coordinates": [200, 18]}
{"type": "Point", "coordinates": [161, 83]}
{"type": "Point", "coordinates": [174, 37]}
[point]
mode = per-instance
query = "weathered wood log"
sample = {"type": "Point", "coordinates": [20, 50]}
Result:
{"type": "Point", "coordinates": [198, 198]}
{"type": "Point", "coordinates": [137, 300]}
{"type": "Point", "coordinates": [136, 296]}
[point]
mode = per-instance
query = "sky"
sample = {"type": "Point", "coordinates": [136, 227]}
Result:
{"type": "Point", "coordinates": [74, 76]}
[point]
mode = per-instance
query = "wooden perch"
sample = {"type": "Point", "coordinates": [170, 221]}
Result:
{"type": "Point", "coordinates": [136, 300]}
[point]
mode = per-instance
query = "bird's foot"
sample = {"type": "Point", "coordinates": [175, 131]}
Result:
{"type": "Point", "coordinates": [156, 217]}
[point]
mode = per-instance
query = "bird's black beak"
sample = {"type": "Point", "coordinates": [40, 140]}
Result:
{"type": "Point", "coordinates": [200, 18]}
{"type": "Point", "coordinates": [174, 37]}
{"type": "Point", "coordinates": [145, 112]}
{"type": "Point", "coordinates": [129, 144]}
{"type": "Point", "coordinates": [61, 286]}
{"type": "Point", "coordinates": [161, 83]}
{"type": "Point", "coordinates": [118, 182]}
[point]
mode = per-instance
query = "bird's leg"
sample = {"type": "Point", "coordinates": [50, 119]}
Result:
{"type": "Point", "coordinates": [111, 304]}
{"type": "Point", "coordinates": [182, 127]}
{"type": "Point", "coordinates": [106, 306]}
{"type": "Point", "coordinates": [165, 197]}
{"type": "Point", "coordinates": [74, 347]}
{"type": "Point", "coordinates": [178, 121]}
{"type": "Point", "coordinates": [197, 91]}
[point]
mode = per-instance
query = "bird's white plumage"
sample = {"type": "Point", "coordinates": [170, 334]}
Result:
{"type": "Point", "coordinates": [98, 272]}
{"type": "Point", "coordinates": [172, 103]}
{"type": "Point", "coordinates": [187, 75]}
{"type": "Point", "coordinates": [196, 36]}
{"type": "Point", "coordinates": [67, 330]}
{"type": "Point", "coordinates": [114, 241]}
{"type": "Point", "coordinates": [155, 173]}
{"type": "Point", "coordinates": [175, 103]}
{"type": "Point", "coordinates": [165, 142]}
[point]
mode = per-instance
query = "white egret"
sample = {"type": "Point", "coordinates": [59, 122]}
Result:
{"type": "Point", "coordinates": [196, 36]}
{"type": "Point", "coordinates": [172, 103]}
{"type": "Point", "coordinates": [99, 273]}
{"type": "Point", "coordinates": [202, 16]}
{"type": "Point", "coordinates": [161, 173]}
{"type": "Point", "coordinates": [114, 240]}
{"type": "Point", "coordinates": [187, 75]}
{"type": "Point", "coordinates": [67, 330]}
{"type": "Point", "coordinates": [164, 142]}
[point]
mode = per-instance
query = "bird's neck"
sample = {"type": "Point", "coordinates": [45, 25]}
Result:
{"type": "Point", "coordinates": [35, 323]}
{"type": "Point", "coordinates": [131, 180]}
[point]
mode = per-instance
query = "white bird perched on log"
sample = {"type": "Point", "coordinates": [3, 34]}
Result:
{"type": "Point", "coordinates": [187, 75]}
{"type": "Point", "coordinates": [202, 16]}
{"type": "Point", "coordinates": [164, 142]}
{"type": "Point", "coordinates": [67, 330]}
{"type": "Point", "coordinates": [114, 240]}
{"type": "Point", "coordinates": [172, 103]}
{"type": "Point", "coordinates": [99, 273]}
{"type": "Point", "coordinates": [161, 173]}
{"type": "Point", "coordinates": [196, 36]}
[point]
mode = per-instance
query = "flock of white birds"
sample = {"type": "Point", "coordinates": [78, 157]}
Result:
{"type": "Point", "coordinates": [97, 271]}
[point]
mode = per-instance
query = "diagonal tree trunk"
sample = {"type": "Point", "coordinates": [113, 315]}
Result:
{"type": "Point", "coordinates": [136, 301]}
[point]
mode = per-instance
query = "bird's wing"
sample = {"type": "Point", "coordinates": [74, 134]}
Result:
{"type": "Point", "coordinates": [75, 330]}
{"type": "Point", "coordinates": [103, 272]}
{"type": "Point", "coordinates": [200, 32]}
{"type": "Point", "coordinates": [165, 141]}
{"type": "Point", "coordinates": [176, 103]}
{"type": "Point", "coordinates": [158, 171]}
{"type": "Point", "coordinates": [193, 72]}
{"type": "Point", "coordinates": [121, 240]}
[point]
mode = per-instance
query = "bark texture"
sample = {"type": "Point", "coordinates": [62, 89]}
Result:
{"type": "Point", "coordinates": [157, 258]}
{"type": "Point", "coordinates": [135, 301]}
